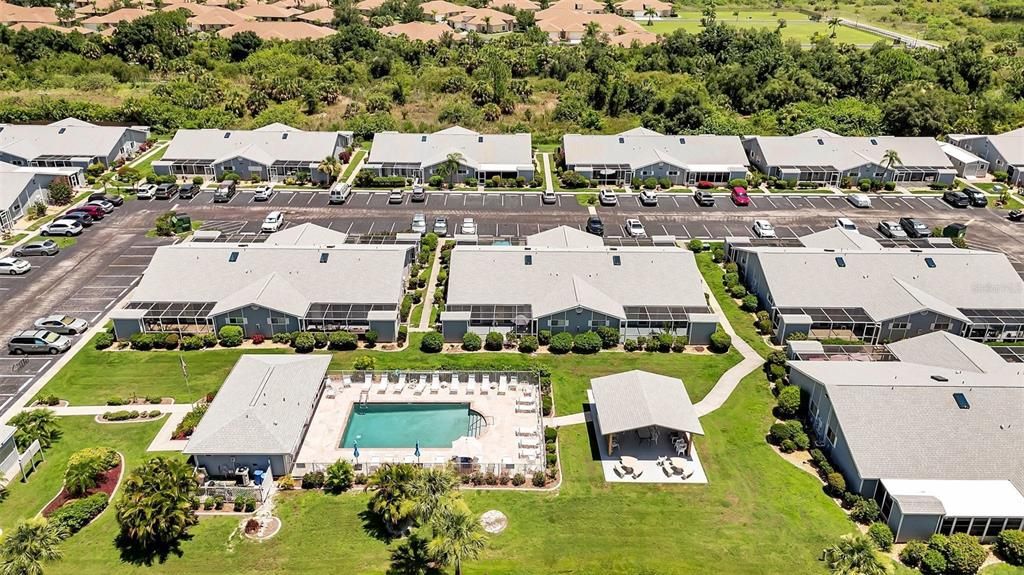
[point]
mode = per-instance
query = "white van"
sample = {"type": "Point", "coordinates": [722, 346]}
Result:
{"type": "Point", "coordinates": [340, 192]}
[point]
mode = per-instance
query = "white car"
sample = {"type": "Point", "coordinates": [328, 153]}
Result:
{"type": "Point", "coordinates": [263, 193]}
{"type": "Point", "coordinates": [859, 200]}
{"type": "Point", "coordinates": [419, 224]}
{"type": "Point", "coordinates": [648, 198]}
{"type": "Point", "coordinates": [104, 205]}
{"type": "Point", "coordinates": [62, 324]}
{"type": "Point", "coordinates": [846, 224]}
{"type": "Point", "coordinates": [607, 197]}
{"type": "Point", "coordinates": [146, 191]}
{"type": "Point", "coordinates": [469, 226]}
{"type": "Point", "coordinates": [891, 229]}
{"type": "Point", "coordinates": [635, 229]}
{"type": "Point", "coordinates": [763, 229]}
{"type": "Point", "coordinates": [272, 222]}
{"type": "Point", "coordinates": [14, 266]}
{"type": "Point", "coordinates": [61, 228]}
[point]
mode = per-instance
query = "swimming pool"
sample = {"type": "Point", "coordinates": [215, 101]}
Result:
{"type": "Point", "coordinates": [384, 425]}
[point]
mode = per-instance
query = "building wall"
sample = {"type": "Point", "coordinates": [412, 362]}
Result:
{"type": "Point", "coordinates": [224, 465]}
{"type": "Point", "coordinates": [576, 322]}
{"type": "Point", "coordinates": [34, 191]}
{"type": "Point", "coordinates": [907, 527]}
{"type": "Point", "coordinates": [454, 330]}
{"type": "Point", "coordinates": [917, 324]}
{"type": "Point", "coordinates": [125, 328]}
{"type": "Point", "coordinates": [700, 333]}
{"type": "Point", "coordinates": [258, 321]}
{"type": "Point", "coordinates": [982, 147]}
{"type": "Point", "coordinates": [822, 419]}
{"type": "Point", "coordinates": [387, 330]}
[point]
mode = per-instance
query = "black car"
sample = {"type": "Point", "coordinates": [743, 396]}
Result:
{"type": "Point", "coordinates": [978, 199]}
{"type": "Point", "coordinates": [116, 200]}
{"type": "Point", "coordinates": [595, 226]}
{"type": "Point", "coordinates": [165, 191]}
{"type": "Point", "coordinates": [80, 217]}
{"type": "Point", "coordinates": [915, 228]}
{"type": "Point", "coordinates": [188, 191]}
{"type": "Point", "coordinates": [704, 198]}
{"type": "Point", "coordinates": [957, 199]}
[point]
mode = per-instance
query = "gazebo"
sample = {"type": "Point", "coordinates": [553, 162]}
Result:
{"type": "Point", "coordinates": [644, 403]}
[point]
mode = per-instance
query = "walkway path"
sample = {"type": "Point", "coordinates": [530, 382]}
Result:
{"type": "Point", "coordinates": [355, 172]}
{"type": "Point", "coordinates": [730, 379]}
{"type": "Point", "coordinates": [572, 419]}
{"type": "Point", "coordinates": [548, 185]}
{"type": "Point", "coordinates": [163, 441]}
{"type": "Point", "coordinates": [903, 38]}
{"type": "Point", "coordinates": [428, 296]}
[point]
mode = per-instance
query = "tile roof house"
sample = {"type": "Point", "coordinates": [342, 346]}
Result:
{"type": "Point", "coordinates": [638, 8]}
{"type": "Point", "coordinates": [206, 18]}
{"type": "Point", "coordinates": [640, 153]}
{"type": "Point", "coordinates": [1003, 152]}
{"type": "Point", "coordinates": [68, 142]}
{"type": "Point", "coordinates": [480, 156]}
{"type": "Point", "coordinates": [932, 434]}
{"type": "Point", "coordinates": [12, 14]}
{"type": "Point", "coordinates": [567, 280]}
{"type": "Point", "coordinates": [272, 152]}
{"type": "Point", "coordinates": [630, 39]}
{"type": "Point", "coordinates": [319, 16]}
{"type": "Point", "coordinates": [22, 186]}
{"type": "Point", "coordinates": [367, 6]}
{"type": "Point", "coordinates": [303, 5]}
{"type": "Point", "coordinates": [422, 31]}
{"type": "Point", "coordinates": [37, 25]}
{"type": "Point", "coordinates": [111, 19]}
{"type": "Point", "coordinates": [440, 10]}
{"type": "Point", "coordinates": [570, 26]}
{"type": "Point", "coordinates": [524, 5]}
{"type": "Point", "coordinates": [267, 12]}
{"type": "Point", "coordinates": [260, 415]}
{"type": "Point", "coordinates": [876, 294]}
{"type": "Point", "coordinates": [584, 6]}
{"type": "Point", "coordinates": [483, 20]}
{"type": "Point", "coordinates": [290, 283]}
{"type": "Point", "coordinates": [279, 30]}
{"type": "Point", "coordinates": [823, 157]}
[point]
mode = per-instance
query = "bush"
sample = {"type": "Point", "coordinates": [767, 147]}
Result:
{"type": "Point", "coordinates": [76, 514]}
{"type": "Point", "coordinates": [609, 336]}
{"type": "Point", "coordinates": [171, 341]}
{"type": "Point", "coordinates": [586, 343]}
{"type": "Point", "coordinates": [1010, 546]}
{"type": "Point", "coordinates": [364, 363]}
{"type": "Point", "coordinates": [788, 400]}
{"type": "Point", "coordinates": [339, 476]}
{"type": "Point", "coordinates": [913, 552]}
{"type": "Point", "coordinates": [471, 341]}
{"type": "Point", "coordinates": [371, 337]}
{"type": "Point", "coordinates": [103, 341]}
{"type": "Point", "coordinates": [319, 339]}
{"type": "Point", "coordinates": [717, 255]}
{"type": "Point", "coordinates": [749, 303]}
{"type": "Point", "coordinates": [865, 511]}
{"type": "Point", "coordinates": [304, 342]}
{"type": "Point", "coordinates": [835, 484]}
{"type": "Point", "coordinates": [313, 480]}
{"type": "Point", "coordinates": [85, 467]}
{"type": "Point", "coordinates": [50, 400]}
{"type": "Point", "coordinates": [230, 336]}
{"type": "Point", "coordinates": [738, 291]}
{"type": "Point", "coordinates": [544, 336]}
{"type": "Point", "coordinates": [432, 342]}
{"type": "Point", "coordinates": [679, 343]}
{"type": "Point", "coordinates": [695, 246]}
{"type": "Point", "coordinates": [189, 422]}
{"type": "Point", "coordinates": [730, 279]}
{"type": "Point", "coordinates": [738, 183]}
{"type": "Point", "coordinates": [933, 562]}
{"type": "Point", "coordinates": [539, 479]}
{"type": "Point", "coordinates": [889, 186]}
{"type": "Point", "coordinates": [342, 340]}
{"type": "Point", "coordinates": [780, 432]}
{"type": "Point", "coordinates": [561, 343]}
{"type": "Point", "coordinates": [545, 405]}
{"type": "Point", "coordinates": [881, 535]}
{"type": "Point", "coordinates": [720, 342]}
{"type": "Point", "coordinates": [964, 555]}
{"type": "Point", "coordinates": [630, 345]}
{"type": "Point", "coordinates": [528, 344]}
{"type": "Point", "coordinates": [787, 446]}
{"type": "Point", "coordinates": [406, 307]}
{"type": "Point", "coordinates": [494, 341]}
{"type": "Point", "coordinates": [403, 333]}
{"type": "Point", "coordinates": [210, 340]}
{"type": "Point", "coordinates": [518, 480]}
{"type": "Point", "coordinates": [122, 415]}
{"type": "Point", "coordinates": [191, 343]}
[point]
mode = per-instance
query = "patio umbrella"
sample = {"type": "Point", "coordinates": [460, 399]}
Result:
{"type": "Point", "coordinates": [355, 451]}
{"type": "Point", "coordinates": [466, 446]}
{"type": "Point", "coordinates": [417, 453]}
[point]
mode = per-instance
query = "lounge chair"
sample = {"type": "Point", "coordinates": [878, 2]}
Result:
{"type": "Point", "coordinates": [528, 454]}
{"type": "Point", "coordinates": [453, 387]}
{"type": "Point", "coordinates": [346, 380]}
{"type": "Point", "coordinates": [513, 382]}
{"type": "Point", "coordinates": [435, 385]}
{"type": "Point", "coordinates": [525, 401]}
{"type": "Point", "coordinates": [638, 474]}
{"type": "Point", "coordinates": [526, 408]}
{"type": "Point", "coordinates": [471, 385]}
{"type": "Point", "coordinates": [485, 384]}
{"type": "Point", "coordinates": [527, 389]}
{"type": "Point", "coordinates": [367, 384]}
{"type": "Point", "coordinates": [619, 470]}
{"type": "Point", "coordinates": [400, 386]}
{"type": "Point", "coordinates": [502, 379]}
{"type": "Point", "coordinates": [418, 390]}
{"type": "Point", "coordinates": [329, 392]}
{"type": "Point", "coordinates": [667, 470]}
{"type": "Point", "coordinates": [381, 386]}
{"type": "Point", "coordinates": [526, 431]}
{"type": "Point", "coordinates": [502, 387]}
{"type": "Point", "coordinates": [528, 442]}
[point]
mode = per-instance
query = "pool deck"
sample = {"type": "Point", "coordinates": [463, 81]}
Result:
{"type": "Point", "coordinates": [500, 450]}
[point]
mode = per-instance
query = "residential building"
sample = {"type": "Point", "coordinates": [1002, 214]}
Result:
{"type": "Point", "coordinates": [303, 5]}
{"type": "Point", "coordinates": [368, 6]}
{"type": "Point", "coordinates": [441, 10]}
{"type": "Point", "coordinates": [304, 278]}
{"type": "Point", "coordinates": [37, 25]}
{"type": "Point", "coordinates": [22, 186]}
{"type": "Point", "coordinates": [567, 280]}
{"type": "Point", "coordinates": [518, 5]}
{"type": "Point", "coordinates": [14, 14]}
{"type": "Point", "coordinates": [638, 154]}
{"type": "Point", "coordinates": [826, 158]}
{"type": "Point", "coordinates": [270, 153]}
{"type": "Point", "coordinates": [931, 432]}
{"type": "Point", "coordinates": [288, 31]}
{"type": "Point", "coordinates": [206, 18]}
{"type": "Point", "coordinates": [639, 9]}
{"type": "Point", "coordinates": [260, 416]}
{"type": "Point", "coordinates": [582, 6]}
{"type": "Point", "coordinates": [101, 22]}
{"type": "Point", "coordinates": [69, 142]}
{"type": "Point", "coordinates": [479, 156]}
{"type": "Point", "coordinates": [320, 16]}
{"type": "Point", "coordinates": [482, 20]}
{"type": "Point", "coordinates": [422, 31]}
{"type": "Point", "coordinates": [967, 165]}
{"type": "Point", "coordinates": [267, 12]}
{"type": "Point", "coordinates": [1003, 152]}
{"type": "Point", "coordinates": [571, 26]}
{"type": "Point", "coordinates": [629, 39]}
{"type": "Point", "coordinates": [842, 285]}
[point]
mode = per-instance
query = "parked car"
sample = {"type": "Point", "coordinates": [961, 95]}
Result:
{"type": "Point", "coordinates": [704, 198]}
{"type": "Point", "coordinates": [188, 191]}
{"type": "Point", "coordinates": [62, 324]}
{"type": "Point", "coordinates": [469, 226]}
{"type": "Point", "coordinates": [340, 193]}
{"type": "Point", "coordinates": [635, 229]}
{"type": "Point", "coordinates": [648, 198]}
{"type": "Point", "coordinates": [548, 197]}
{"type": "Point", "coordinates": [739, 196]}
{"type": "Point", "coordinates": [225, 191]}
{"type": "Point", "coordinates": [14, 266]}
{"type": "Point", "coordinates": [37, 248]}
{"type": "Point", "coordinates": [145, 191]}
{"type": "Point", "coordinates": [272, 222]}
{"type": "Point", "coordinates": [441, 226]}
{"type": "Point", "coordinates": [978, 199]}
{"type": "Point", "coordinates": [595, 226]}
{"type": "Point", "coordinates": [263, 193]}
{"type": "Point", "coordinates": [763, 229]}
{"type": "Point", "coordinates": [418, 194]}
{"type": "Point", "coordinates": [395, 197]}
{"type": "Point", "coordinates": [846, 224]}
{"type": "Point", "coordinates": [112, 198]}
{"type": "Point", "coordinates": [1015, 215]}
{"type": "Point", "coordinates": [859, 200]}
{"type": "Point", "coordinates": [956, 198]}
{"type": "Point", "coordinates": [419, 224]}
{"type": "Point", "coordinates": [94, 212]}
{"type": "Point", "coordinates": [104, 205]}
{"type": "Point", "coordinates": [61, 227]}
{"type": "Point", "coordinates": [165, 191]}
{"type": "Point", "coordinates": [891, 229]}
{"type": "Point", "coordinates": [38, 341]}
{"type": "Point", "coordinates": [914, 228]}
{"type": "Point", "coordinates": [80, 217]}
{"type": "Point", "coordinates": [607, 197]}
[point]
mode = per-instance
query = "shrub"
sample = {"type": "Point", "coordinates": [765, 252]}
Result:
{"type": "Point", "coordinates": [103, 341]}
{"type": "Point", "coordinates": [140, 342]}
{"type": "Point", "coordinates": [738, 291]}
{"type": "Point", "coordinates": [432, 343]}
{"type": "Point", "coordinates": [738, 183]}
{"type": "Point", "coordinates": [545, 405]}
{"type": "Point", "coordinates": [313, 480]}
{"type": "Point", "coordinates": [889, 186]}
{"type": "Point", "coordinates": [964, 555]}
{"type": "Point", "coordinates": [364, 363]}
{"type": "Point", "coordinates": [122, 415]}
{"type": "Point", "coordinates": [85, 467]}
{"type": "Point", "coordinates": [494, 341]}
{"type": "Point", "coordinates": [341, 340]}
{"type": "Point", "coordinates": [586, 343]}
{"type": "Point", "coordinates": [210, 339]}
{"type": "Point", "coordinates": [230, 336]}
{"type": "Point", "coordinates": [189, 422]}
{"type": "Point", "coordinates": [286, 483]}
{"type": "Point", "coordinates": [695, 246]}
{"type": "Point", "coordinates": [50, 400]}
{"type": "Point", "coordinates": [528, 344]}
{"type": "Point", "coordinates": [865, 511]}
{"type": "Point", "coordinates": [1010, 546]}
{"type": "Point", "coordinates": [787, 446]}
{"type": "Point", "coordinates": [609, 336]}
{"type": "Point", "coordinates": [518, 479]}
{"type": "Point", "coordinates": [539, 479]}
{"type": "Point", "coordinates": [653, 344]}
{"type": "Point", "coordinates": [749, 303]}
{"type": "Point", "coordinates": [780, 432]}
{"type": "Point", "coordinates": [191, 343]}
{"type": "Point", "coordinates": [881, 535]}
{"type": "Point", "coordinates": [403, 333]}
{"type": "Point", "coordinates": [835, 484]}
{"type": "Point", "coordinates": [435, 181]}
{"type": "Point", "coordinates": [630, 345]}
{"type": "Point", "coordinates": [717, 255]}
{"type": "Point", "coordinates": [802, 441]}
{"type": "Point", "coordinates": [550, 434]}
{"type": "Point", "coordinates": [319, 339]}
{"type": "Point", "coordinates": [471, 341]}
{"type": "Point", "coordinates": [933, 562]}
{"type": "Point", "coordinates": [730, 279]}
{"type": "Point", "coordinates": [304, 342]}
{"type": "Point", "coordinates": [720, 342]}
{"type": "Point", "coordinates": [561, 343]}
{"type": "Point", "coordinates": [339, 476]}
{"type": "Point", "coordinates": [679, 343]}
{"type": "Point", "coordinates": [775, 372]}
{"type": "Point", "coordinates": [544, 336]}
{"type": "Point", "coordinates": [153, 413]}
{"type": "Point", "coordinates": [171, 341]}
{"type": "Point", "coordinates": [76, 514]}
{"type": "Point", "coordinates": [116, 401]}
{"type": "Point", "coordinates": [371, 337]}
{"type": "Point", "coordinates": [406, 307]}
{"type": "Point", "coordinates": [913, 552]}
{"type": "Point", "coordinates": [788, 400]}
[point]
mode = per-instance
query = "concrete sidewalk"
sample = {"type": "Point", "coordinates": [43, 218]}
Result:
{"type": "Point", "coordinates": [730, 379]}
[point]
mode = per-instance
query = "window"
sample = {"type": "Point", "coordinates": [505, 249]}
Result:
{"type": "Point", "coordinates": [940, 326]}
{"type": "Point", "coordinates": [323, 257]}
{"type": "Point", "coordinates": [558, 323]}
{"type": "Point", "coordinates": [978, 527]}
{"type": "Point", "coordinates": [528, 260]}
{"type": "Point", "coordinates": [830, 434]}
{"type": "Point", "coordinates": [961, 401]}
{"type": "Point", "coordinates": [598, 323]}
{"type": "Point", "coordinates": [235, 321]}
{"type": "Point", "coordinates": [673, 173]}
{"type": "Point", "coordinates": [899, 325]}
{"type": "Point", "coordinates": [277, 321]}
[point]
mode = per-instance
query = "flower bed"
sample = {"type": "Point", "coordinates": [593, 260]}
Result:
{"type": "Point", "coordinates": [107, 484]}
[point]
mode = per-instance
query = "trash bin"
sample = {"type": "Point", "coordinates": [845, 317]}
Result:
{"type": "Point", "coordinates": [181, 223]}
{"type": "Point", "coordinates": [954, 231]}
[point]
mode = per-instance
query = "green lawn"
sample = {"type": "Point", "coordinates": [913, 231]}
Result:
{"type": "Point", "coordinates": [586, 200]}
{"type": "Point", "coordinates": [146, 165]}
{"type": "Point", "coordinates": [353, 162]}
{"type": "Point", "coordinates": [63, 242]}
{"type": "Point", "coordinates": [1002, 569]}
{"type": "Point", "coordinates": [798, 26]}
{"type": "Point", "coordinates": [416, 314]}
{"type": "Point", "coordinates": [741, 321]}
{"type": "Point", "coordinates": [13, 240]}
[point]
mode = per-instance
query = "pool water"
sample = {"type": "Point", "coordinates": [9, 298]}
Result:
{"type": "Point", "coordinates": [385, 425]}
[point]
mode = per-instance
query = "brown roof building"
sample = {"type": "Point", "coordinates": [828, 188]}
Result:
{"type": "Point", "coordinates": [321, 16]}
{"type": "Point", "coordinates": [110, 19]}
{"type": "Point", "coordinates": [527, 5]}
{"type": "Point", "coordinates": [570, 26]}
{"type": "Point", "coordinates": [423, 31]}
{"type": "Point", "coordinates": [12, 13]}
{"type": "Point", "coordinates": [483, 20]}
{"type": "Point", "coordinates": [279, 30]}
{"type": "Point", "coordinates": [267, 12]}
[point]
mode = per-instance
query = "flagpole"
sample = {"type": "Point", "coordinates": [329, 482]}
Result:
{"type": "Point", "coordinates": [184, 373]}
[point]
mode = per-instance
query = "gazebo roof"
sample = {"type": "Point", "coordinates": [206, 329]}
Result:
{"type": "Point", "coordinates": [636, 399]}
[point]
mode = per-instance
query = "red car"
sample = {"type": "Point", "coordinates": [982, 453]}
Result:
{"type": "Point", "coordinates": [739, 197]}
{"type": "Point", "coordinates": [94, 211]}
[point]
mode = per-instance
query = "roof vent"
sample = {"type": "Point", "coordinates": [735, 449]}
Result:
{"type": "Point", "coordinates": [622, 140]}
{"type": "Point", "coordinates": [961, 401]}
{"type": "Point", "coordinates": [62, 130]}
{"type": "Point", "coordinates": [227, 135]}
{"type": "Point", "coordinates": [929, 262]}
{"type": "Point", "coordinates": [940, 378]}
{"type": "Point", "coordinates": [874, 142]}
{"type": "Point", "coordinates": [616, 260]}
{"type": "Point", "coordinates": [821, 142]}
{"type": "Point", "coordinates": [840, 261]}
{"type": "Point", "coordinates": [323, 257]}
{"type": "Point", "coordinates": [423, 138]}
{"type": "Point", "coordinates": [528, 259]}
{"type": "Point", "coordinates": [233, 257]}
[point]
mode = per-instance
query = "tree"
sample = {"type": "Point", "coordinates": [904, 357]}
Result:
{"type": "Point", "coordinates": [59, 192]}
{"type": "Point", "coordinates": [609, 6]}
{"type": "Point", "coordinates": [833, 24]}
{"type": "Point", "coordinates": [891, 158]}
{"type": "Point", "coordinates": [433, 485]}
{"type": "Point", "coordinates": [458, 535]}
{"type": "Point", "coordinates": [650, 12]}
{"type": "Point", "coordinates": [65, 14]}
{"type": "Point", "coordinates": [449, 167]}
{"type": "Point", "coordinates": [393, 497]}
{"type": "Point", "coordinates": [854, 556]}
{"type": "Point", "coordinates": [155, 510]}
{"type": "Point", "coordinates": [31, 543]}
{"type": "Point", "coordinates": [413, 558]}
{"type": "Point", "coordinates": [38, 424]}
{"type": "Point", "coordinates": [331, 167]}
{"type": "Point", "coordinates": [708, 14]}
{"type": "Point", "coordinates": [242, 44]}
{"type": "Point", "coordinates": [339, 476]}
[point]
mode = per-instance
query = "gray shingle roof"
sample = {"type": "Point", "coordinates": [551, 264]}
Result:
{"type": "Point", "coordinates": [641, 147]}
{"type": "Point", "coordinates": [821, 148]}
{"type": "Point", "coordinates": [512, 151]}
{"type": "Point", "coordinates": [65, 138]}
{"type": "Point", "coordinates": [943, 349]}
{"type": "Point", "coordinates": [264, 145]}
{"type": "Point", "coordinates": [636, 399]}
{"type": "Point", "coordinates": [262, 407]}
{"type": "Point", "coordinates": [564, 237]}
{"type": "Point", "coordinates": [307, 235]}
{"type": "Point", "coordinates": [14, 180]}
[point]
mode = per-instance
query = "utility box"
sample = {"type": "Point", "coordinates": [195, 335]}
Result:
{"type": "Point", "coordinates": [181, 223]}
{"type": "Point", "coordinates": [954, 231]}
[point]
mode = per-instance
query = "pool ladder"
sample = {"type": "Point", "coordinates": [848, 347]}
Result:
{"type": "Point", "coordinates": [364, 397]}
{"type": "Point", "coordinates": [477, 424]}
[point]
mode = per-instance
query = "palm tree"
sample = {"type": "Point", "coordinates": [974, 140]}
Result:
{"type": "Point", "coordinates": [413, 558]}
{"type": "Point", "coordinates": [393, 497]}
{"type": "Point", "coordinates": [891, 158]}
{"type": "Point", "coordinates": [781, 25]}
{"type": "Point", "coordinates": [458, 535]}
{"type": "Point", "coordinates": [431, 488]}
{"type": "Point", "coordinates": [609, 6]}
{"type": "Point", "coordinates": [449, 167]}
{"type": "Point", "coordinates": [854, 556]}
{"type": "Point", "coordinates": [592, 29]}
{"type": "Point", "coordinates": [330, 166]}
{"type": "Point", "coordinates": [650, 12]}
{"type": "Point", "coordinates": [620, 30]}
{"type": "Point", "coordinates": [833, 23]}
{"type": "Point", "coordinates": [487, 24]}
{"type": "Point", "coordinates": [156, 508]}
{"type": "Point", "coordinates": [30, 544]}
{"type": "Point", "coordinates": [38, 424]}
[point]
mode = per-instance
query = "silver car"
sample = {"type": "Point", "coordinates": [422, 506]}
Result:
{"type": "Point", "coordinates": [419, 224]}
{"type": "Point", "coordinates": [14, 266]}
{"type": "Point", "coordinates": [37, 248]}
{"type": "Point", "coordinates": [145, 191]}
{"type": "Point", "coordinates": [441, 226]}
{"type": "Point", "coordinates": [469, 226]}
{"type": "Point", "coordinates": [61, 228]}
{"type": "Point", "coordinates": [38, 341]}
{"type": "Point", "coordinates": [62, 324]}
{"type": "Point", "coordinates": [104, 205]}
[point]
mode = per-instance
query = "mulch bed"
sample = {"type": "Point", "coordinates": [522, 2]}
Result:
{"type": "Point", "coordinates": [107, 483]}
